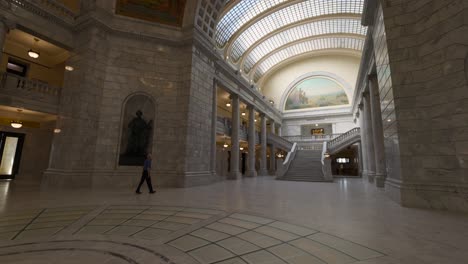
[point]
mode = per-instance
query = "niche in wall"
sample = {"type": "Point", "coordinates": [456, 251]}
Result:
{"type": "Point", "coordinates": [137, 130]}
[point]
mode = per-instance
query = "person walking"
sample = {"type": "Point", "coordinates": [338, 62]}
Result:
{"type": "Point", "coordinates": [145, 176]}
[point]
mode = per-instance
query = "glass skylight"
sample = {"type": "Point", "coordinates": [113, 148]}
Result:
{"type": "Point", "coordinates": [305, 47]}
{"type": "Point", "coordinates": [328, 26]}
{"type": "Point", "coordinates": [239, 15]}
{"type": "Point", "coordinates": [283, 17]}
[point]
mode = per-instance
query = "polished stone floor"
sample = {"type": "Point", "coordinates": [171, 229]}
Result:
{"type": "Point", "coordinates": [251, 221]}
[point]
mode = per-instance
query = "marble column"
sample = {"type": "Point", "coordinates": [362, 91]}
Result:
{"type": "Point", "coordinates": [214, 122]}
{"type": "Point", "coordinates": [362, 125]}
{"type": "Point", "coordinates": [377, 135]}
{"type": "Point", "coordinates": [263, 152]}
{"type": "Point", "coordinates": [368, 133]}
{"type": "Point", "coordinates": [234, 174]}
{"type": "Point", "coordinates": [251, 137]}
{"type": "Point", "coordinates": [272, 151]}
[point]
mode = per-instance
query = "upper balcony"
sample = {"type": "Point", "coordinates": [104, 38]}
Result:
{"type": "Point", "coordinates": [18, 91]}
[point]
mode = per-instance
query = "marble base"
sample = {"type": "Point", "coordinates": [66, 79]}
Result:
{"type": "Point", "coordinates": [234, 175]}
{"type": "Point", "coordinates": [380, 180]}
{"type": "Point", "coordinates": [122, 178]}
{"type": "Point", "coordinates": [251, 173]}
{"type": "Point", "coordinates": [371, 176]}
{"type": "Point", "coordinates": [430, 196]}
{"type": "Point", "coordinates": [263, 172]}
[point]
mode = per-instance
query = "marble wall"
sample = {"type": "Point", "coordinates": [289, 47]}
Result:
{"type": "Point", "coordinates": [427, 132]}
{"type": "Point", "coordinates": [109, 68]}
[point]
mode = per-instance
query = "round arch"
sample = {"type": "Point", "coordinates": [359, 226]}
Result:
{"type": "Point", "coordinates": [138, 113]}
{"type": "Point", "coordinates": [346, 86]}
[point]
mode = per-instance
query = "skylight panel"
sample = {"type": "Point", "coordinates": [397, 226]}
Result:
{"type": "Point", "coordinates": [330, 26]}
{"type": "Point", "coordinates": [239, 15]}
{"type": "Point", "coordinates": [288, 15]}
{"type": "Point", "coordinates": [307, 46]}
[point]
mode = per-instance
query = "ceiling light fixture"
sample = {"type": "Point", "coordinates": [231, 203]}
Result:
{"type": "Point", "coordinates": [241, 148]}
{"type": "Point", "coordinates": [16, 124]}
{"type": "Point", "coordinates": [32, 53]}
{"type": "Point", "coordinates": [225, 145]}
{"type": "Point", "coordinates": [389, 120]}
{"type": "Point", "coordinates": [57, 130]}
{"type": "Point", "coordinates": [243, 114]}
{"type": "Point", "coordinates": [316, 125]}
{"type": "Point", "coordinates": [228, 104]}
{"type": "Point", "coordinates": [69, 68]}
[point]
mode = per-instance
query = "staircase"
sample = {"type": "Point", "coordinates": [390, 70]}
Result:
{"type": "Point", "coordinates": [306, 166]}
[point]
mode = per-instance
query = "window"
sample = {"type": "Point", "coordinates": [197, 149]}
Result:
{"type": "Point", "coordinates": [17, 67]}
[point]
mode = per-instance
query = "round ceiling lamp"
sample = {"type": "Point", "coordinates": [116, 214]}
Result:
{"type": "Point", "coordinates": [57, 130]}
{"type": "Point", "coordinates": [16, 124]}
{"type": "Point", "coordinates": [32, 53]}
{"type": "Point", "coordinates": [69, 68]}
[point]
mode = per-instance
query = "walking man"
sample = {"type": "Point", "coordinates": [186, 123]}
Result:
{"type": "Point", "coordinates": [145, 176]}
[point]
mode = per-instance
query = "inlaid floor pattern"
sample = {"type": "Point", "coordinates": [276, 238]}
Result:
{"type": "Point", "coordinates": [206, 235]}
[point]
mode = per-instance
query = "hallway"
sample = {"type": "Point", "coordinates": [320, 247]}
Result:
{"type": "Point", "coordinates": [349, 209]}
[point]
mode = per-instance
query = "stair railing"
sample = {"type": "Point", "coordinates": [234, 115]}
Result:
{"type": "Point", "coordinates": [326, 163]}
{"type": "Point", "coordinates": [287, 162]}
{"type": "Point", "coordinates": [347, 138]}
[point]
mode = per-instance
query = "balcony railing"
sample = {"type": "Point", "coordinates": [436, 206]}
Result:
{"type": "Point", "coordinates": [31, 94]}
{"type": "Point", "coordinates": [300, 138]}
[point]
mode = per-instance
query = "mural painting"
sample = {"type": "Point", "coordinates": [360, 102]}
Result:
{"type": "Point", "coordinates": [316, 92]}
{"type": "Point", "coordinates": [170, 12]}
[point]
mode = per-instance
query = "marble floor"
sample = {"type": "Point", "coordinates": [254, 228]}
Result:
{"type": "Point", "coordinates": [252, 221]}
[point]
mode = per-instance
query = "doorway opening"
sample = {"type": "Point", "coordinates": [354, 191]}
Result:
{"type": "Point", "coordinates": [11, 146]}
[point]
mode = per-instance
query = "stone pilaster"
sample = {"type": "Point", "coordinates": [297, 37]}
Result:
{"type": "Point", "coordinates": [234, 174]}
{"type": "Point", "coordinates": [214, 116]}
{"type": "Point", "coordinates": [263, 159]}
{"type": "Point", "coordinates": [251, 137]}
{"type": "Point", "coordinates": [377, 135]}
{"type": "Point", "coordinates": [364, 153]}
{"type": "Point", "coordinates": [368, 136]}
{"type": "Point", "coordinates": [272, 150]}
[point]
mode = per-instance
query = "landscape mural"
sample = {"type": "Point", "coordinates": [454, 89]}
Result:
{"type": "Point", "coordinates": [316, 92]}
{"type": "Point", "coordinates": [169, 12]}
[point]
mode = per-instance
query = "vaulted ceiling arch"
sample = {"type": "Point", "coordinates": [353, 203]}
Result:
{"type": "Point", "coordinates": [252, 34]}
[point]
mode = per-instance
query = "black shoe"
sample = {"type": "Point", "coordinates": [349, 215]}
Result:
{"type": "Point", "coordinates": [152, 191]}
{"type": "Point", "coordinates": [138, 192]}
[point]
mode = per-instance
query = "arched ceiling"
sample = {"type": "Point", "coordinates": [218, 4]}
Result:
{"type": "Point", "coordinates": [257, 35]}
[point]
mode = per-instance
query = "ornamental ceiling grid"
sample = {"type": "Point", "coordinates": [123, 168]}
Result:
{"type": "Point", "coordinates": [252, 31]}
